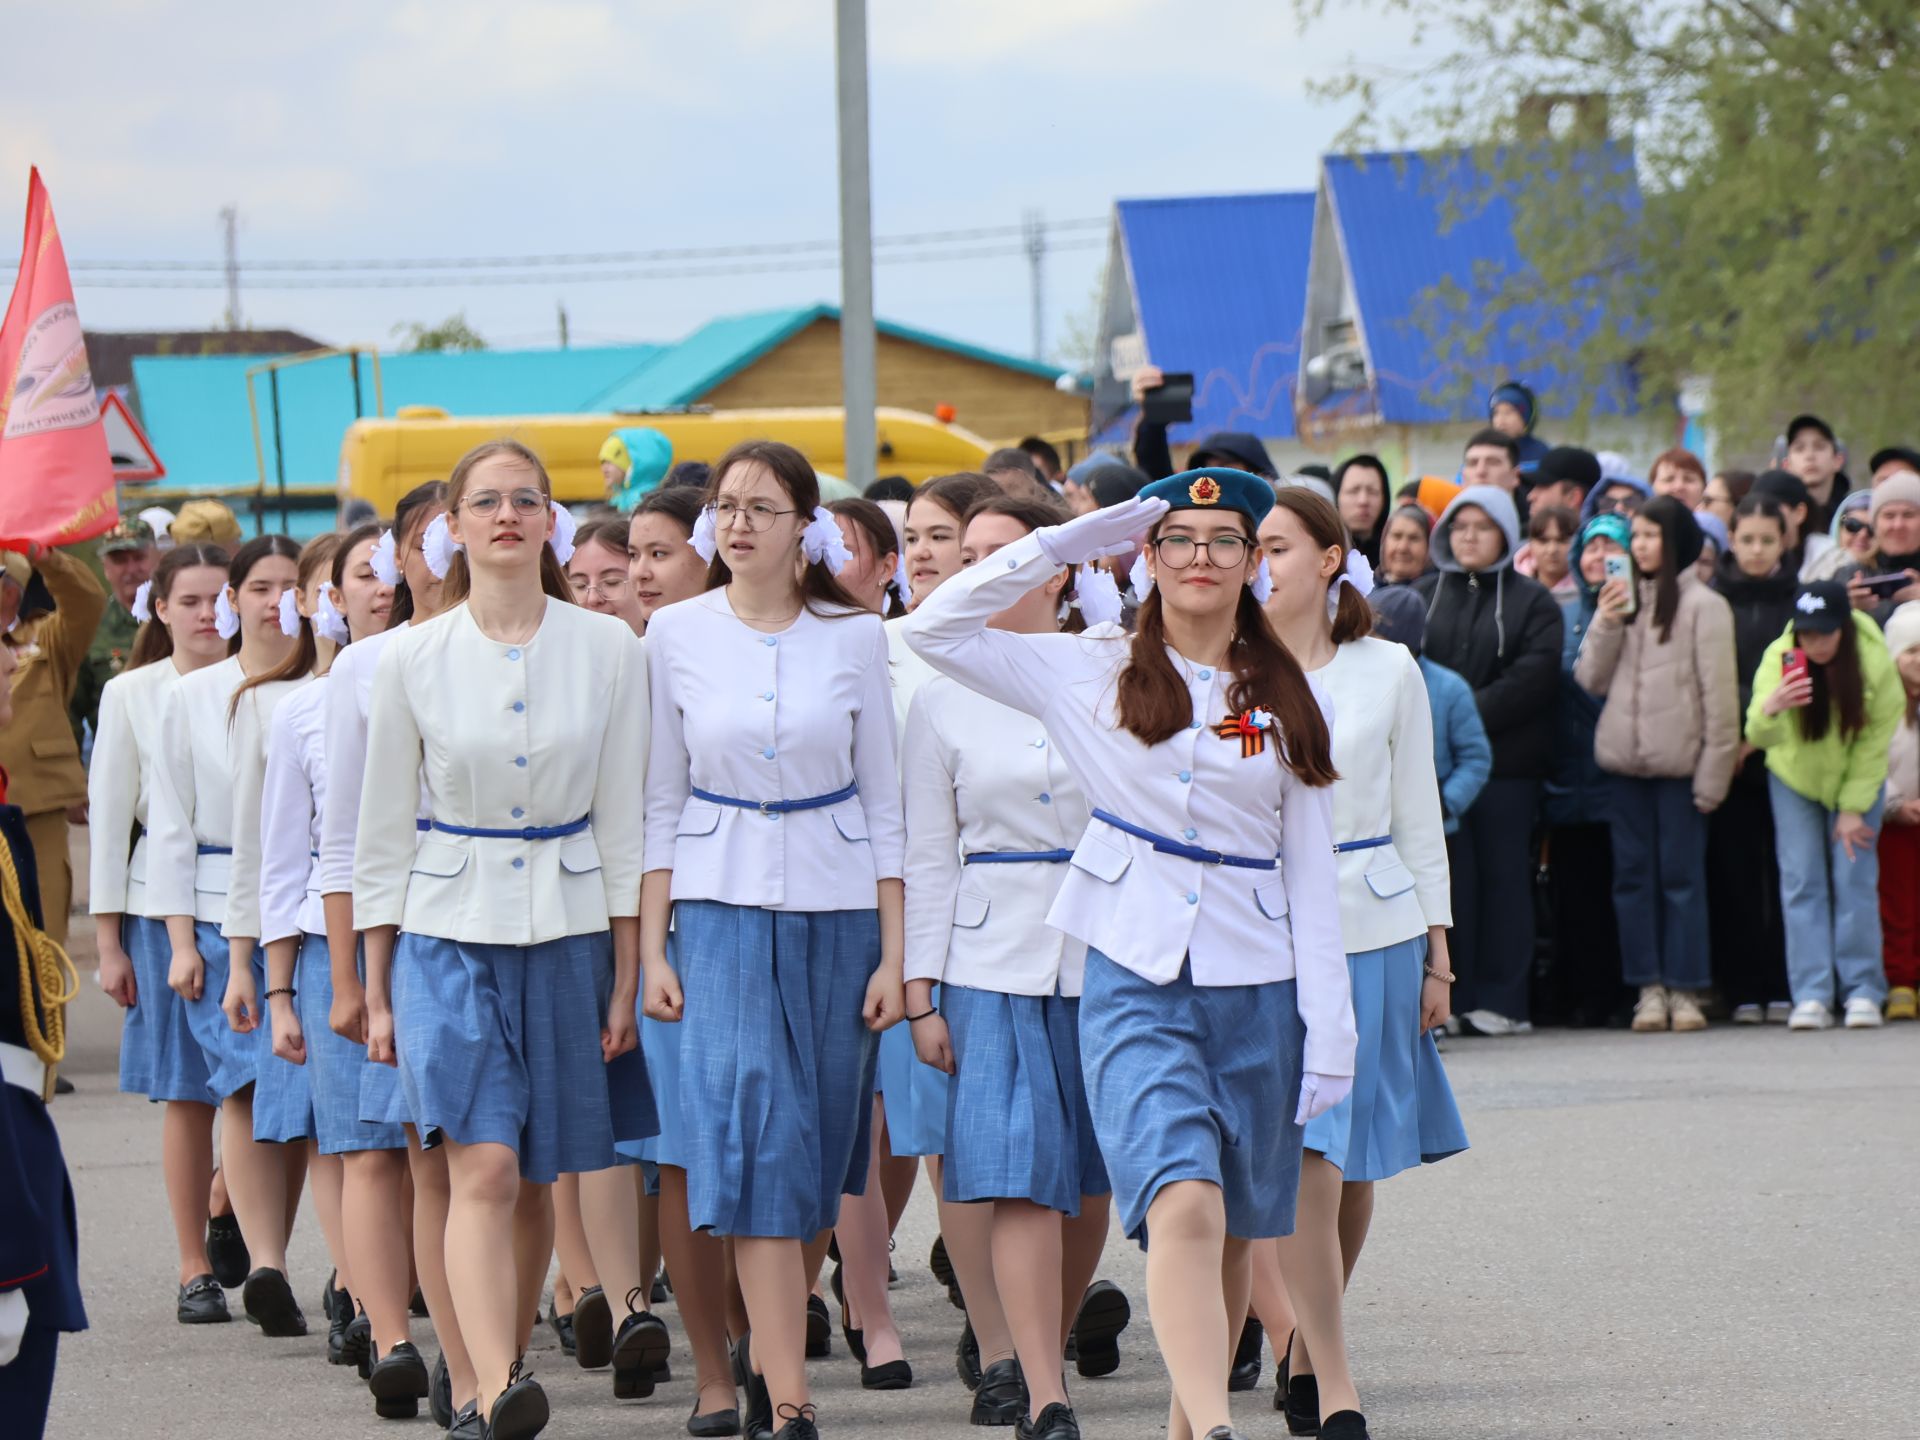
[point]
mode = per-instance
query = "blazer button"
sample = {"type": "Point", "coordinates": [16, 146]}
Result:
{"type": "Point", "coordinates": [513, 654]}
{"type": "Point", "coordinates": [1190, 833]}
{"type": "Point", "coordinates": [1206, 674]}
{"type": "Point", "coordinates": [1196, 725]}
{"type": "Point", "coordinates": [766, 694]}
{"type": "Point", "coordinates": [767, 754]}
{"type": "Point", "coordinates": [521, 761]}
{"type": "Point", "coordinates": [1012, 564]}
{"type": "Point", "coordinates": [518, 813]}
{"type": "Point", "coordinates": [1186, 776]}
{"type": "Point", "coordinates": [1044, 799]}
{"type": "Point", "coordinates": [1192, 899]}
{"type": "Point", "coordinates": [518, 863]}
{"type": "Point", "coordinates": [771, 641]}
{"type": "Point", "coordinates": [519, 706]}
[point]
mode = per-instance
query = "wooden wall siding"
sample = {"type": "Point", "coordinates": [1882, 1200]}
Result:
{"type": "Point", "coordinates": [992, 401]}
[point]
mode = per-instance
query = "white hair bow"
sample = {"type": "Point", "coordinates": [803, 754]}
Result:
{"type": "Point", "coordinates": [328, 620]}
{"type": "Point", "coordinates": [1139, 579]}
{"type": "Point", "coordinates": [289, 611]}
{"type": "Point", "coordinates": [562, 537]}
{"type": "Point", "coordinates": [900, 581]}
{"type": "Point", "coordinates": [1358, 574]}
{"type": "Point", "coordinates": [226, 621]}
{"type": "Point", "coordinates": [1262, 583]}
{"type": "Point", "coordinates": [822, 543]}
{"type": "Point", "coordinates": [386, 568]}
{"type": "Point", "coordinates": [438, 546]}
{"type": "Point", "coordinates": [1096, 595]}
{"type": "Point", "coordinates": [705, 539]}
{"type": "Point", "coordinates": [143, 602]}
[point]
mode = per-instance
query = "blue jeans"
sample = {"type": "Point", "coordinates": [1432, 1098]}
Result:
{"type": "Point", "coordinates": [1660, 882]}
{"type": "Point", "coordinates": [1831, 904]}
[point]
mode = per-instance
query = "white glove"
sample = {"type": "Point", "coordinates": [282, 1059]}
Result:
{"type": "Point", "coordinates": [1320, 1093]}
{"type": "Point", "coordinates": [1112, 531]}
{"type": "Point", "coordinates": [13, 1323]}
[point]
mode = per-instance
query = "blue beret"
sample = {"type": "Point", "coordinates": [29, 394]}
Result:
{"type": "Point", "coordinates": [1214, 489]}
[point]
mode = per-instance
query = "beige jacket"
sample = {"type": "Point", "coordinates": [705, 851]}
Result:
{"type": "Point", "coordinates": [1673, 709]}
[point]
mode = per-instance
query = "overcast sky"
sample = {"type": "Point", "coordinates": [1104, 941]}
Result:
{"type": "Point", "coordinates": [501, 127]}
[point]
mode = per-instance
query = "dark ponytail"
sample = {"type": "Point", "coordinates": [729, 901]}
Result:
{"type": "Point", "coordinates": [155, 641]}
{"type": "Point", "coordinates": [866, 516]}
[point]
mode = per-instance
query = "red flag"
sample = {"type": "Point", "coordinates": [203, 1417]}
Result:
{"type": "Point", "coordinates": [56, 477]}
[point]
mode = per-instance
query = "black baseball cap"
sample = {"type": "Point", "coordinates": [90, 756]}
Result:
{"type": "Point", "coordinates": [1822, 608]}
{"type": "Point", "coordinates": [1811, 422]}
{"type": "Point", "coordinates": [1904, 453]}
{"type": "Point", "coordinates": [1569, 463]}
{"type": "Point", "coordinates": [1782, 486]}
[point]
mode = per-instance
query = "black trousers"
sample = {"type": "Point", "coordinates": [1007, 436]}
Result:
{"type": "Point", "coordinates": [1581, 984]}
{"type": "Point", "coordinates": [1491, 945]}
{"type": "Point", "coordinates": [27, 1384]}
{"type": "Point", "coordinates": [1748, 938]}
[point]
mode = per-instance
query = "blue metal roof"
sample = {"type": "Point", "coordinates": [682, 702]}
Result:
{"type": "Point", "coordinates": [1220, 285]}
{"type": "Point", "coordinates": [1409, 222]}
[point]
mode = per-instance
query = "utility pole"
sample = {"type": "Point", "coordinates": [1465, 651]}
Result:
{"type": "Point", "coordinates": [230, 225]}
{"type": "Point", "coordinates": [858, 384]}
{"type": "Point", "coordinates": [563, 324]}
{"type": "Point", "coordinates": [1036, 240]}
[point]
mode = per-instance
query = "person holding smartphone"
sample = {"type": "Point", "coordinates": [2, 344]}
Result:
{"type": "Point", "coordinates": [1826, 702]}
{"type": "Point", "coordinates": [1224, 449]}
{"type": "Point", "coordinates": [1890, 576]}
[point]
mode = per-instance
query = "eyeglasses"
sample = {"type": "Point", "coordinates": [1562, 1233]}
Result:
{"type": "Point", "coordinates": [608, 586]}
{"type": "Point", "coordinates": [525, 501]}
{"type": "Point", "coordinates": [1176, 552]}
{"type": "Point", "coordinates": [759, 514]}
{"type": "Point", "coordinates": [1853, 525]}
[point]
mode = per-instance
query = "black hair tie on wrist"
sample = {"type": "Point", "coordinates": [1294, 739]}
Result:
{"type": "Point", "coordinates": [286, 990]}
{"type": "Point", "coordinates": [923, 1015]}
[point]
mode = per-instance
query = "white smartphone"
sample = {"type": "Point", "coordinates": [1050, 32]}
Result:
{"type": "Point", "coordinates": [1620, 567]}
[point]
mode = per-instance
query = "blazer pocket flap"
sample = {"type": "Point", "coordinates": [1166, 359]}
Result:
{"type": "Point", "coordinates": [970, 911]}
{"type": "Point", "coordinates": [579, 855]}
{"type": "Point", "coordinates": [1101, 860]}
{"type": "Point", "coordinates": [1390, 880]}
{"type": "Point", "coordinates": [53, 747]}
{"type": "Point", "coordinates": [210, 873]}
{"type": "Point", "coordinates": [137, 865]}
{"type": "Point", "coordinates": [432, 857]}
{"type": "Point", "coordinates": [1272, 899]}
{"type": "Point", "coordinates": [851, 822]}
{"type": "Point", "coordinates": [699, 817]}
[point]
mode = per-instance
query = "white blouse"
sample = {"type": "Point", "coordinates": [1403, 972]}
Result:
{"type": "Point", "coordinates": [906, 672]}
{"type": "Point", "coordinates": [1146, 910]}
{"type": "Point", "coordinates": [247, 756]}
{"type": "Point", "coordinates": [293, 796]}
{"type": "Point", "coordinates": [1383, 749]}
{"type": "Point", "coordinates": [983, 777]}
{"type": "Point", "coordinates": [348, 701]}
{"type": "Point", "coordinates": [191, 803]}
{"type": "Point", "coordinates": [120, 787]}
{"type": "Point", "coordinates": [536, 734]}
{"type": "Point", "coordinates": [761, 717]}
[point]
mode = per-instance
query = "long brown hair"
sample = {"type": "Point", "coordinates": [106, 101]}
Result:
{"type": "Point", "coordinates": [958, 492]}
{"type": "Point", "coordinates": [155, 641]}
{"type": "Point", "coordinates": [1837, 685]}
{"type": "Point", "coordinates": [1154, 703]}
{"type": "Point", "coordinates": [885, 540]}
{"type": "Point", "coordinates": [408, 517]}
{"type": "Point", "coordinates": [350, 542]}
{"type": "Point", "coordinates": [820, 592]}
{"type": "Point", "coordinates": [458, 582]}
{"type": "Point", "coordinates": [303, 659]}
{"type": "Point", "coordinates": [1036, 514]}
{"type": "Point", "coordinates": [1352, 616]}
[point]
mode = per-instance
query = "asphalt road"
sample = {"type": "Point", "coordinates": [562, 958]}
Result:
{"type": "Point", "coordinates": [1693, 1236]}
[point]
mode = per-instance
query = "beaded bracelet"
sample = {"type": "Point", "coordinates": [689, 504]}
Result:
{"type": "Point", "coordinates": [286, 990]}
{"type": "Point", "coordinates": [1445, 977]}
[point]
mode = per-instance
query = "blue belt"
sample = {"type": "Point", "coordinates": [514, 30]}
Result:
{"type": "Point", "coordinates": [525, 832]}
{"type": "Point", "coordinates": [423, 825]}
{"type": "Point", "coordinates": [1371, 843]}
{"type": "Point", "coordinates": [778, 807]}
{"type": "Point", "coordinates": [1014, 857]}
{"type": "Point", "coordinates": [213, 849]}
{"type": "Point", "coordinates": [1179, 847]}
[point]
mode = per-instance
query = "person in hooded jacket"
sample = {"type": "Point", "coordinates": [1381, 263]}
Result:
{"type": "Point", "coordinates": [1669, 735]}
{"type": "Point", "coordinates": [1512, 409]}
{"type": "Point", "coordinates": [634, 462]}
{"type": "Point", "coordinates": [1502, 632]}
{"type": "Point", "coordinates": [1748, 936]}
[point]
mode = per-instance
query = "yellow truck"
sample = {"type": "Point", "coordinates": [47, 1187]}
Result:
{"type": "Point", "coordinates": [382, 459]}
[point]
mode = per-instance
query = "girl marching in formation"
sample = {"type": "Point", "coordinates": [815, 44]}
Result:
{"type": "Point", "coordinates": [653, 895]}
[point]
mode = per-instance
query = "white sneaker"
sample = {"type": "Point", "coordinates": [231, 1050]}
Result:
{"type": "Point", "coordinates": [1810, 1015]}
{"type": "Point", "coordinates": [1452, 1026]}
{"type": "Point", "coordinates": [1749, 1015]}
{"type": "Point", "coordinates": [1863, 1014]}
{"type": "Point", "coordinates": [1487, 1022]}
{"type": "Point", "coordinates": [1779, 1011]}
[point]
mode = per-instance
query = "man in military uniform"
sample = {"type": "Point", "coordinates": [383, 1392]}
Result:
{"type": "Point", "coordinates": [128, 555]}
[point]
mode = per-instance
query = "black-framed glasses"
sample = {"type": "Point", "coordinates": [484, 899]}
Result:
{"type": "Point", "coordinates": [1854, 525]}
{"type": "Point", "coordinates": [1176, 552]}
{"type": "Point", "coordinates": [525, 501]}
{"type": "Point", "coordinates": [760, 514]}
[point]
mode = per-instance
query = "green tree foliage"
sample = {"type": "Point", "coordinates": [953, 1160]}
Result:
{"type": "Point", "coordinates": [453, 333]}
{"type": "Point", "coordinates": [1776, 145]}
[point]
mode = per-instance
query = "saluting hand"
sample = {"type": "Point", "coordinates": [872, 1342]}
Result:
{"type": "Point", "coordinates": [1116, 530]}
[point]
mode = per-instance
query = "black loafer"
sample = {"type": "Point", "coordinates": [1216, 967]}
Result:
{"type": "Point", "coordinates": [520, 1411]}
{"type": "Point", "coordinates": [399, 1382]}
{"type": "Point", "coordinates": [269, 1303]}
{"type": "Point", "coordinates": [330, 1297]}
{"type": "Point", "coordinates": [1245, 1374]}
{"type": "Point", "coordinates": [661, 1289]}
{"type": "Point", "coordinates": [202, 1302]}
{"type": "Point", "coordinates": [819, 1329]}
{"type": "Point", "coordinates": [1056, 1422]}
{"type": "Point", "coordinates": [440, 1394]}
{"type": "Point", "coordinates": [966, 1358]}
{"type": "Point", "coordinates": [417, 1305]}
{"type": "Point", "coordinates": [1104, 1313]}
{"type": "Point", "coordinates": [1303, 1405]}
{"type": "Point", "coordinates": [592, 1328]}
{"type": "Point", "coordinates": [357, 1345]}
{"type": "Point", "coordinates": [757, 1418]}
{"type": "Point", "coordinates": [1344, 1425]}
{"type": "Point", "coordinates": [942, 1267]}
{"type": "Point", "coordinates": [714, 1422]}
{"type": "Point", "coordinates": [227, 1251]}
{"type": "Point", "coordinates": [639, 1350]}
{"type": "Point", "coordinates": [562, 1326]}
{"type": "Point", "coordinates": [894, 1375]}
{"type": "Point", "coordinates": [468, 1425]}
{"type": "Point", "coordinates": [1002, 1396]}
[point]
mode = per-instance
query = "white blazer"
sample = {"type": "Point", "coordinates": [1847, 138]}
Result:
{"type": "Point", "coordinates": [508, 736]}
{"type": "Point", "coordinates": [191, 803]}
{"type": "Point", "coordinates": [981, 776]}
{"type": "Point", "coordinates": [120, 787]}
{"type": "Point", "coordinates": [348, 701]}
{"type": "Point", "coordinates": [906, 672]}
{"type": "Point", "coordinates": [247, 758]}
{"type": "Point", "coordinates": [1146, 910]}
{"type": "Point", "coordinates": [764, 717]}
{"type": "Point", "coordinates": [293, 795]}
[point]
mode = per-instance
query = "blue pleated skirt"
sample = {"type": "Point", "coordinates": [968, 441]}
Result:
{"type": "Point", "coordinates": [282, 1097]}
{"type": "Point", "coordinates": [915, 1095]}
{"type": "Point", "coordinates": [660, 1046]}
{"type": "Point", "coordinates": [232, 1059]}
{"type": "Point", "coordinates": [1401, 1112]}
{"type": "Point", "coordinates": [159, 1056]}
{"type": "Point", "coordinates": [500, 1044]}
{"type": "Point", "coordinates": [335, 1065]}
{"type": "Point", "coordinates": [1191, 1082]}
{"type": "Point", "coordinates": [1018, 1126]}
{"type": "Point", "coordinates": [776, 1064]}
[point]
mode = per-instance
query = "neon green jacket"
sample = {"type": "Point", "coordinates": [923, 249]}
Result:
{"type": "Point", "coordinates": [1843, 773]}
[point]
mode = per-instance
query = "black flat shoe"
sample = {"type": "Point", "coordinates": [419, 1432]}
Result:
{"type": "Point", "coordinates": [1223, 1432]}
{"type": "Point", "coordinates": [399, 1382]}
{"type": "Point", "coordinates": [1344, 1425]}
{"type": "Point", "coordinates": [227, 1251]}
{"type": "Point", "coordinates": [966, 1358]}
{"type": "Point", "coordinates": [639, 1350]}
{"type": "Point", "coordinates": [757, 1419]}
{"type": "Point", "coordinates": [1104, 1313]}
{"type": "Point", "coordinates": [714, 1422]}
{"type": "Point", "coordinates": [269, 1303]}
{"type": "Point", "coordinates": [337, 1340]}
{"type": "Point", "coordinates": [1056, 1422]}
{"type": "Point", "coordinates": [1303, 1405]}
{"type": "Point", "coordinates": [202, 1302]}
{"type": "Point", "coordinates": [520, 1411]}
{"type": "Point", "coordinates": [330, 1297]}
{"type": "Point", "coordinates": [1245, 1374]}
{"type": "Point", "coordinates": [661, 1289]}
{"type": "Point", "coordinates": [440, 1394]}
{"type": "Point", "coordinates": [799, 1423]}
{"type": "Point", "coordinates": [819, 1329]}
{"type": "Point", "coordinates": [942, 1266]}
{"type": "Point", "coordinates": [592, 1328]}
{"type": "Point", "coordinates": [467, 1425]}
{"type": "Point", "coordinates": [562, 1327]}
{"type": "Point", "coordinates": [1002, 1396]}
{"type": "Point", "coordinates": [358, 1345]}
{"type": "Point", "coordinates": [894, 1375]}
{"type": "Point", "coordinates": [418, 1304]}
